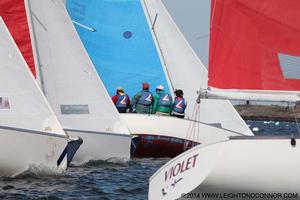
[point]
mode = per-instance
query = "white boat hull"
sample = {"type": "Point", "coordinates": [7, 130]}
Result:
{"type": "Point", "coordinates": [22, 150]}
{"type": "Point", "coordinates": [101, 146]}
{"type": "Point", "coordinates": [140, 124]}
{"type": "Point", "coordinates": [238, 165]}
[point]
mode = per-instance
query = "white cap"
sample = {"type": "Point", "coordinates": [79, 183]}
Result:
{"type": "Point", "coordinates": [160, 87]}
{"type": "Point", "coordinates": [120, 89]}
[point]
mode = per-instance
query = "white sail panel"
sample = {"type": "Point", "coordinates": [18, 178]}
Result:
{"type": "Point", "coordinates": [70, 82]}
{"type": "Point", "coordinates": [22, 104]}
{"type": "Point", "coordinates": [290, 66]}
{"type": "Point", "coordinates": [187, 72]}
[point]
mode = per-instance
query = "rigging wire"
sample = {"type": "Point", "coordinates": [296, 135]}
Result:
{"type": "Point", "coordinates": [193, 130]}
{"type": "Point", "coordinates": [296, 120]}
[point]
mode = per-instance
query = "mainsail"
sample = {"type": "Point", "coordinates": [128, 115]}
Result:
{"type": "Point", "coordinates": [22, 104]}
{"type": "Point", "coordinates": [70, 82]}
{"type": "Point", "coordinates": [31, 137]}
{"type": "Point", "coordinates": [119, 42]}
{"type": "Point", "coordinates": [254, 49]}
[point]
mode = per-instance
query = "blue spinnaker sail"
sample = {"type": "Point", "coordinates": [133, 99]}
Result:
{"type": "Point", "coordinates": [119, 42]}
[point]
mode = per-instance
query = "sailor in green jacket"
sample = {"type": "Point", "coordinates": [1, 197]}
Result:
{"type": "Point", "coordinates": [143, 100]}
{"type": "Point", "coordinates": [162, 102]}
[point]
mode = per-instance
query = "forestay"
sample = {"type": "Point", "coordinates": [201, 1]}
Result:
{"type": "Point", "coordinates": [22, 104]}
{"type": "Point", "coordinates": [70, 82]}
{"type": "Point", "coordinates": [186, 71]}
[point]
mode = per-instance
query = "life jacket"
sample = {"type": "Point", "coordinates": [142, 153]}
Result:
{"type": "Point", "coordinates": [122, 101]}
{"type": "Point", "coordinates": [164, 99]}
{"type": "Point", "coordinates": [179, 105]}
{"type": "Point", "coordinates": [146, 98]}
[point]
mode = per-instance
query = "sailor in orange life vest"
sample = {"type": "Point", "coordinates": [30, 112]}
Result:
{"type": "Point", "coordinates": [121, 100]}
{"type": "Point", "coordinates": [143, 100]}
{"type": "Point", "coordinates": [179, 105]}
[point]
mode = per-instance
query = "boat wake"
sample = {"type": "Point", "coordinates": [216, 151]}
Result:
{"type": "Point", "coordinates": [103, 163]}
{"type": "Point", "coordinates": [119, 160]}
{"type": "Point", "coordinates": [39, 170]}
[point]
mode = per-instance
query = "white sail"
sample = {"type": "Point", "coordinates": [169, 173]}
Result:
{"type": "Point", "coordinates": [186, 71]}
{"type": "Point", "coordinates": [22, 104]}
{"type": "Point", "coordinates": [70, 82]}
{"type": "Point", "coordinates": [30, 134]}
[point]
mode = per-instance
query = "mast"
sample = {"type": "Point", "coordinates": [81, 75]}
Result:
{"type": "Point", "coordinates": [156, 41]}
{"type": "Point", "coordinates": [38, 67]}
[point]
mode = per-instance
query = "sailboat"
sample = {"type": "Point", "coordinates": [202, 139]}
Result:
{"type": "Point", "coordinates": [72, 86]}
{"type": "Point", "coordinates": [30, 135]}
{"type": "Point", "coordinates": [253, 55]}
{"type": "Point", "coordinates": [146, 45]}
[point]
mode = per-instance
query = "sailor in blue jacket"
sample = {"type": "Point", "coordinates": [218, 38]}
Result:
{"type": "Point", "coordinates": [143, 100]}
{"type": "Point", "coordinates": [179, 105]}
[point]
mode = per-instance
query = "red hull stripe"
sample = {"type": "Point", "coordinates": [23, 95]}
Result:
{"type": "Point", "coordinates": [161, 146]}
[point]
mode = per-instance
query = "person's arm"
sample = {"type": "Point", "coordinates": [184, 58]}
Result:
{"type": "Point", "coordinates": [154, 105]}
{"type": "Point", "coordinates": [128, 101]}
{"type": "Point", "coordinates": [135, 99]}
{"type": "Point", "coordinates": [114, 99]}
{"type": "Point", "coordinates": [171, 107]}
{"type": "Point", "coordinates": [186, 105]}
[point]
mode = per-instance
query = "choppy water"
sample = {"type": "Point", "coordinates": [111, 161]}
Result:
{"type": "Point", "coordinates": [102, 180]}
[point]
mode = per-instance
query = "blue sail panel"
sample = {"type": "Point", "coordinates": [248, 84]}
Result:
{"type": "Point", "coordinates": [118, 40]}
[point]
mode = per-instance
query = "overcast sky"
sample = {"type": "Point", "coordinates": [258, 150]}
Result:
{"type": "Point", "coordinates": [192, 17]}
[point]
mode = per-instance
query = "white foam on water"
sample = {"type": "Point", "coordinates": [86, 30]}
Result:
{"type": "Point", "coordinates": [43, 170]}
{"type": "Point", "coordinates": [118, 160]}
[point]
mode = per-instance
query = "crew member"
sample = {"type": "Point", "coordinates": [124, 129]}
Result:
{"type": "Point", "coordinates": [162, 102]}
{"type": "Point", "coordinates": [179, 105]}
{"type": "Point", "coordinates": [143, 100]}
{"type": "Point", "coordinates": [121, 100]}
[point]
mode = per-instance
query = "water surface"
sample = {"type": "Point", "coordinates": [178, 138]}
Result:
{"type": "Point", "coordinates": [103, 180]}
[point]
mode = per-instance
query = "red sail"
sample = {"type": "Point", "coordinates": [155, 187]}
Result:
{"type": "Point", "coordinates": [14, 15]}
{"type": "Point", "coordinates": [255, 44]}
